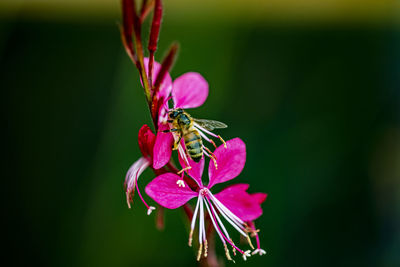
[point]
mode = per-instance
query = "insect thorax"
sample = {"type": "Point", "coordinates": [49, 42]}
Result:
{"type": "Point", "coordinates": [184, 121]}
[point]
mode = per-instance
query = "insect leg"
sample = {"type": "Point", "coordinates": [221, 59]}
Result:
{"type": "Point", "coordinates": [210, 155]}
{"type": "Point", "coordinates": [177, 143]}
{"type": "Point", "coordinates": [222, 140]}
{"type": "Point", "coordinates": [170, 130]}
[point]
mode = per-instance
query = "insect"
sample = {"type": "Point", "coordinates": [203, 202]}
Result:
{"type": "Point", "coordinates": [192, 131]}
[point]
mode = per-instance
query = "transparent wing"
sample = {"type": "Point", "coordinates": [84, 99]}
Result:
{"type": "Point", "coordinates": [210, 124]}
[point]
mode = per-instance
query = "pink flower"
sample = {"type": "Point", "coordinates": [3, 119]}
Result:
{"type": "Point", "coordinates": [233, 204]}
{"type": "Point", "coordinates": [146, 141]}
{"type": "Point", "coordinates": [189, 90]}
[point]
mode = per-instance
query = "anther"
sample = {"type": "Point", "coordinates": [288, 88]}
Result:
{"type": "Point", "coordinates": [205, 248]}
{"type": "Point", "coordinates": [233, 248]}
{"type": "Point", "coordinates": [254, 232]}
{"type": "Point", "coordinates": [249, 240]}
{"type": "Point", "coordinates": [228, 255]}
{"type": "Point", "coordinates": [129, 199]}
{"type": "Point", "coordinates": [199, 253]}
{"type": "Point", "coordinates": [222, 140]}
{"type": "Point", "coordinates": [190, 237]}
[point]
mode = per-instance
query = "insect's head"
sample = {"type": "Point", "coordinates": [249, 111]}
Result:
{"type": "Point", "coordinates": [173, 114]}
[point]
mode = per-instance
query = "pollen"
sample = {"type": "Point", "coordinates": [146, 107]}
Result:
{"type": "Point", "coordinates": [199, 252]}
{"type": "Point", "coordinates": [190, 238]}
{"type": "Point", "coordinates": [228, 255]}
{"type": "Point", "coordinates": [233, 248]}
{"type": "Point", "coordinates": [205, 248]}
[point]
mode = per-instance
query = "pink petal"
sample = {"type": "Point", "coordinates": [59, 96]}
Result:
{"type": "Point", "coordinates": [190, 90]}
{"type": "Point", "coordinates": [165, 191]}
{"type": "Point", "coordinates": [166, 84]}
{"type": "Point", "coordinates": [241, 203]}
{"type": "Point", "coordinates": [162, 147]}
{"type": "Point", "coordinates": [196, 171]}
{"type": "Point", "coordinates": [259, 197]}
{"type": "Point", "coordinates": [146, 141]}
{"type": "Point", "coordinates": [230, 162]}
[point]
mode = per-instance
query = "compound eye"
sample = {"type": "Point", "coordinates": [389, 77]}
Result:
{"type": "Point", "coordinates": [173, 114]}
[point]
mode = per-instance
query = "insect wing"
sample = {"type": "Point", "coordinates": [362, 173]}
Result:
{"type": "Point", "coordinates": [210, 124]}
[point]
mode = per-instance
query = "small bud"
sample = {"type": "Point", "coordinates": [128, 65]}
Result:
{"type": "Point", "coordinates": [155, 26]}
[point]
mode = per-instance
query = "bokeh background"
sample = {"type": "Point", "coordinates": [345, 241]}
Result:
{"type": "Point", "coordinates": [312, 87]}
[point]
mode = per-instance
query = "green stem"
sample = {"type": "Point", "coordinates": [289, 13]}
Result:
{"type": "Point", "coordinates": [139, 51]}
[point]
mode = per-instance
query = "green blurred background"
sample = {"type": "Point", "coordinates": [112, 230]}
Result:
{"type": "Point", "coordinates": [312, 87]}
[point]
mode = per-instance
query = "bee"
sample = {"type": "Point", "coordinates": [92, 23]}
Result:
{"type": "Point", "coordinates": [193, 131]}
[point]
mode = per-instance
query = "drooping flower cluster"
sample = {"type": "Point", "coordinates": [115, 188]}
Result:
{"type": "Point", "coordinates": [174, 187]}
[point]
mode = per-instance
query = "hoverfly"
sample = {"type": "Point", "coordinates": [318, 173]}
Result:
{"type": "Point", "coordinates": [192, 131]}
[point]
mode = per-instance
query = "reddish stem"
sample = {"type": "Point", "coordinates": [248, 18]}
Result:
{"type": "Point", "coordinates": [188, 211]}
{"type": "Point", "coordinates": [150, 70]}
{"type": "Point", "coordinates": [160, 218]}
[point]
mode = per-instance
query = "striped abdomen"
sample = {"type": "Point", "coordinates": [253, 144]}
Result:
{"type": "Point", "coordinates": [194, 145]}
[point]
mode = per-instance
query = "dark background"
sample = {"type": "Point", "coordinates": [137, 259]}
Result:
{"type": "Point", "coordinates": [316, 103]}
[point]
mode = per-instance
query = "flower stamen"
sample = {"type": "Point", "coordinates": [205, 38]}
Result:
{"type": "Point", "coordinates": [254, 233]}
{"type": "Point", "coordinates": [214, 220]}
{"type": "Point", "coordinates": [205, 248]}
{"type": "Point", "coordinates": [193, 223]}
{"type": "Point", "coordinates": [233, 249]}
{"type": "Point", "coordinates": [249, 241]}
{"type": "Point", "coordinates": [227, 254]}
{"type": "Point", "coordinates": [199, 252]}
{"type": "Point", "coordinates": [190, 237]}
